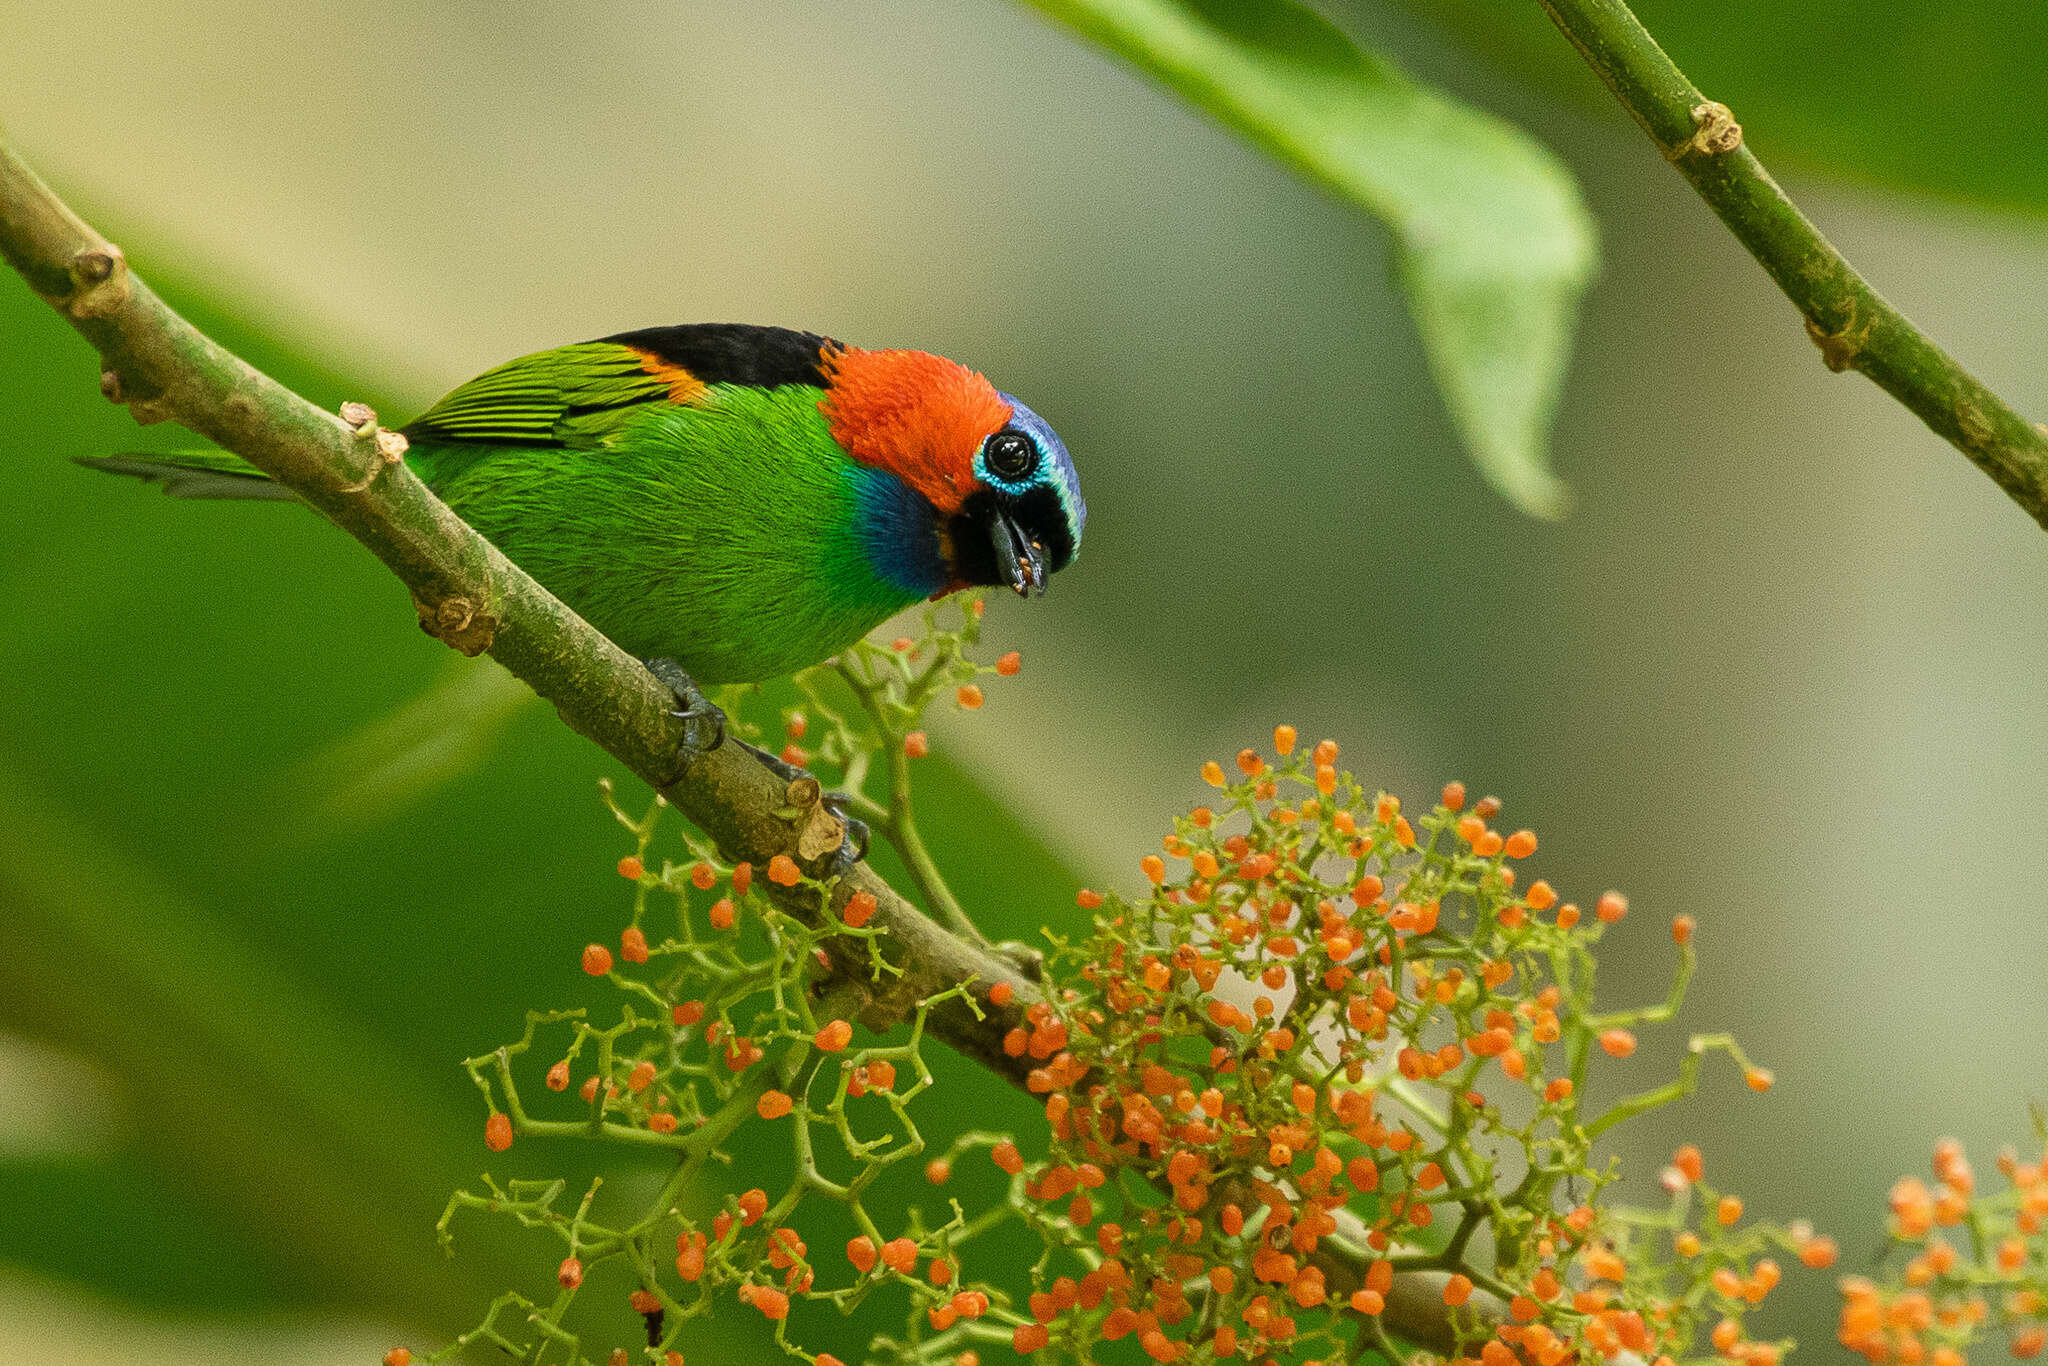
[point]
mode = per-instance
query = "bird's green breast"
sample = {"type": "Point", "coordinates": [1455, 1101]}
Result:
{"type": "Point", "coordinates": [732, 535]}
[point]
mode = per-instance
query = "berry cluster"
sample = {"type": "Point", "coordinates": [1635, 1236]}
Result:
{"type": "Point", "coordinates": [1332, 1043]}
{"type": "Point", "coordinates": [1937, 1299]}
{"type": "Point", "coordinates": [1286, 1091]}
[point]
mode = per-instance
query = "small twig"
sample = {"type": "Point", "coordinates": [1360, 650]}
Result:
{"type": "Point", "coordinates": [1851, 323]}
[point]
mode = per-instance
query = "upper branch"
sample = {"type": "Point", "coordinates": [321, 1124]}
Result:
{"type": "Point", "coordinates": [1851, 323]}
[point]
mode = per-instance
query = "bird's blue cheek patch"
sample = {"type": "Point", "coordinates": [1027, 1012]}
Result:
{"type": "Point", "coordinates": [894, 526]}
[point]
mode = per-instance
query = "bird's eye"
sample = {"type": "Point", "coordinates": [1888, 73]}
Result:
{"type": "Point", "coordinates": [1010, 455]}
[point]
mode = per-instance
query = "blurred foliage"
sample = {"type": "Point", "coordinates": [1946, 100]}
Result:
{"type": "Point", "coordinates": [1935, 99]}
{"type": "Point", "coordinates": [263, 860]}
{"type": "Point", "coordinates": [1493, 245]}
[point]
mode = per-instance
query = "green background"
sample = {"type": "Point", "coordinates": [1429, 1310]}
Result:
{"type": "Point", "coordinates": [1785, 668]}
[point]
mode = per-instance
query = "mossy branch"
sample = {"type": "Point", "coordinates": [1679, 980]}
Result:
{"type": "Point", "coordinates": [1852, 324]}
{"type": "Point", "coordinates": [471, 597]}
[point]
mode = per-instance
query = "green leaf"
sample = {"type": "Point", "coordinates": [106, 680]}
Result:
{"type": "Point", "coordinates": [1493, 243]}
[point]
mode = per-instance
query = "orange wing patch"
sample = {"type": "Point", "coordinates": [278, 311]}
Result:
{"type": "Point", "coordinates": [683, 387]}
{"type": "Point", "coordinates": [919, 416]}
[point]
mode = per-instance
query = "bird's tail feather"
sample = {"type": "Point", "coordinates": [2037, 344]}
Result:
{"type": "Point", "coordinates": [192, 474]}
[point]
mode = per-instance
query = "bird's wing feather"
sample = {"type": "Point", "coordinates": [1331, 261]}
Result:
{"type": "Point", "coordinates": [572, 395]}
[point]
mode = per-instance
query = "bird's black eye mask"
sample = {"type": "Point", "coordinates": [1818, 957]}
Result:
{"type": "Point", "coordinates": [1036, 513]}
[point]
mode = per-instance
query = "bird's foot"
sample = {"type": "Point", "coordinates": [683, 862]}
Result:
{"type": "Point", "coordinates": [703, 722]}
{"type": "Point", "coordinates": [827, 832]}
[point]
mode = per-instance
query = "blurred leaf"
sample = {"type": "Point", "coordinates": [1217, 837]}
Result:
{"type": "Point", "coordinates": [1494, 246]}
{"type": "Point", "coordinates": [1948, 99]}
{"type": "Point", "coordinates": [425, 743]}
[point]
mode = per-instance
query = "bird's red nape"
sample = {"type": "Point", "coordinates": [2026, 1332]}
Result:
{"type": "Point", "coordinates": [919, 416]}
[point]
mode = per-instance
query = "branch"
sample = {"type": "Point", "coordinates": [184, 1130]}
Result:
{"type": "Point", "coordinates": [1849, 321]}
{"type": "Point", "coordinates": [468, 595]}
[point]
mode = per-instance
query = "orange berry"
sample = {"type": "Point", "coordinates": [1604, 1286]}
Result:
{"type": "Point", "coordinates": [569, 1273]}
{"type": "Point", "coordinates": [1454, 796]}
{"type": "Point", "coordinates": [900, 1255]}
{"type": "Point", "coordinates": [633, 944]}
{"type": "Point", "coordinates": [1027, 1338]}
{"type": "Point", "coordinates": [938, 1171]}
{"type": "Point", "coordinates": [1688, 1161]}
{"type": "Point", "coordinates": [1818, 1253]}
{"type": "Point", "coordinates": [498, 1132]}
{"type": "Point", "coordinates": [1681, 929]}
{"type": "Point", "coordinates": [917, 744]}
{"type": "Point", "coordinates": [723, 913]}
{"type": "Point", "coordinates": [834, 1036]}
{"type": "Point", "coordinates": [1611, 907]}
{"type": "Point", "coordinates": [558, 1076]}
{"type": "Point", "coordinates": [1001, 994]}
{"type": "Point", "coordinates": [1006, 1156]}
{"type": "Point", "coordinates": [1521, 844]}
{"type": "Point", "coordinates": [1087, 900]}
{"type": "Point", "coordinates": [1283, 740]}
{"type": "Point", "coordinates": [861, 1252]}
{"type": "Point", "coordinates": [630, 868]}
{"type": "Point", "coordinates": [1457, 1289]}
{"type": "Point", "coordinates": [774, 1105]}
{"type": "Point", "coordinates": [597, 959]}
{"type": "Point", "coordinates": [398, 1356]}
{"type": "Point", "coordinates": [1729, 1210]}
{"type": "Point", "coordinates": [641, 1077]}
{"type": "Point", "coordinates": [969, 696]}
{"type": "Point", "coordinates": [1368, 1301]}
{"type": "Point", "coordinates": [1559, 1089]}
{"type": "Point", "coordinates": [860, 908]}
{"type": "Point", "coordinates": [687, 1013]}
{"type": "Point", "coordinates": [783, 872]}
{"type": "Point", "coordinates": [1154, 869]}
{"type": "Point", "coordinates": [773, 1304]}
{"type": "Point", "coordinates": [1008, 665]}
{"type": "Point", "coordinates": [703, 876]}
{"type": "Point", "coordinates": [1758, 1078]}
{"type": "Point", "coordinates": [1617, 1043]}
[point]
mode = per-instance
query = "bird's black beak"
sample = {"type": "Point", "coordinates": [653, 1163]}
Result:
{"type": "Point", "coordinates": [1019, 558]}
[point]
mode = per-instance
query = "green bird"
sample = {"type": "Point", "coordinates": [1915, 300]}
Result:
{"type": "Point", "coordinates": [730, 502]}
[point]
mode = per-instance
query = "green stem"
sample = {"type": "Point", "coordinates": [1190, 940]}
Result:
{"type": "Point", "coordinates": [1852, 324]}
{"type": "Point", "coordinates": [898, 820]}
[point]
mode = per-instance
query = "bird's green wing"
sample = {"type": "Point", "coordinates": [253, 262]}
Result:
{"type": "Point", "coordinates": [572, 395]}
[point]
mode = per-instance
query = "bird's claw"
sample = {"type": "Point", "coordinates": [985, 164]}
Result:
{"type": "Point", "coordinates": [703, 722]}
{"type": "Point", "coordinates": [851, 847]}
